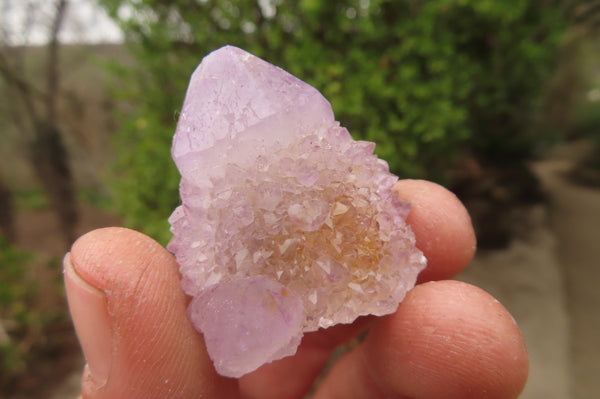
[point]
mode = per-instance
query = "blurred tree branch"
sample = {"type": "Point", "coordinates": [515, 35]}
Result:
{"type": "Point", "coordinates": [587, 12]}
{"type": "Point", "coordinates": [7, 223]}
{"type": "Point", "coordinates": [34, 114]}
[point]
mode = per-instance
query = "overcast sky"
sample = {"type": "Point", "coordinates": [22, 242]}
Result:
{"type": "Point", "coordinates": [85, 22]}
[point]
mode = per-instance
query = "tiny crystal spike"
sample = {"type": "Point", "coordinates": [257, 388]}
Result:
{"type": "Point", "coordinates": [287, 224]}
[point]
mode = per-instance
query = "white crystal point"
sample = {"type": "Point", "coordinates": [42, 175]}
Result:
{"type": "Point", "coordinates": [287, 224]}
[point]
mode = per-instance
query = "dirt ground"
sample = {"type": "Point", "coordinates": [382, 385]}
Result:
{"type": "Point", "coordinates": [549, 279]}
{"type": "Point", "coordinates": [546, 278]}
{"type": "Point", "coordinates": [576, 222]}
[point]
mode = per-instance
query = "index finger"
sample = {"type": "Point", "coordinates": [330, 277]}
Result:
{"type": "Point", "coordinates": [442, 228]}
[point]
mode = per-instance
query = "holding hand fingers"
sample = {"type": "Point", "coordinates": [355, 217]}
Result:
{"type": "Point", "coordinates": [447, 339]}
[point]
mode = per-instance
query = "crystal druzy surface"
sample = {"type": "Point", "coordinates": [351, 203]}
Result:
{"type": "Point", "coordinates": [287, 224]}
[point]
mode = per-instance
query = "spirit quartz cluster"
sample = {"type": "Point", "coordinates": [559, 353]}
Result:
{"type": "Point", "coordinates": [287, 224]}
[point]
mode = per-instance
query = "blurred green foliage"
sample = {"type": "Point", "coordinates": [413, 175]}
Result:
{"type": "Point", "coordinates": [428, 81]}
{"type": "Point", "coordinates": [17, 291]}
{"type": "Point", "coordinates": [34, 322]}
{"type": "Point", "coordinates": [588, 125]}
{"type": "Point", "coordinates": [587, 118]}
{"type": "Point", "coordinates": [31, 198]}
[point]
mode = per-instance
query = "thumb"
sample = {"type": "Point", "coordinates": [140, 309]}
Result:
{"type": "Point", "coordinates": [129, 314]}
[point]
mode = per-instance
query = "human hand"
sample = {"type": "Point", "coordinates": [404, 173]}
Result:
{"type": "Point", "coordinates": [447, 339]}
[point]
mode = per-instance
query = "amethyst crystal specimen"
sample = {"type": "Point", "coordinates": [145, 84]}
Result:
{"type": "Point", "coordinates": [287, 224]}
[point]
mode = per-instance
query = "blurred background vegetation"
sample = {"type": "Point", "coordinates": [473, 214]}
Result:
{"type": "Point", "coordinates": [462, 92]}
{"type": "Point", "coordinates": [433, 83]}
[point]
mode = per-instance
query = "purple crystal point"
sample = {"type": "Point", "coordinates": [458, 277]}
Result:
{"type": "Point", "coordinates": [264, 320]}
{"type": "Point", "coordinates": [235, 97]}
{"type": "Point", "coordinates": [287, 224]}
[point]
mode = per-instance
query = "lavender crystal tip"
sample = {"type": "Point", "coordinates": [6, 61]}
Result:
{"type": "Point", "coordinates": [287, 224]}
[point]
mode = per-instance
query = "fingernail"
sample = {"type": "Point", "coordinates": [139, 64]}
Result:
{"type": "Point", "coordinates": [92, 323]}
